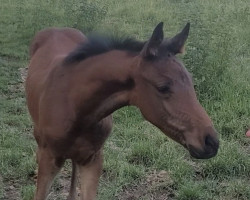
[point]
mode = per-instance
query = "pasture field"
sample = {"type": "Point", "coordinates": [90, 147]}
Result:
{"type": "Point", "coordinates": [140, 162]}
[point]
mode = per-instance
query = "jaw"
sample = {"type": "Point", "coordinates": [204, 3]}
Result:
{"type": "Point", "coordinates": [176, 135]}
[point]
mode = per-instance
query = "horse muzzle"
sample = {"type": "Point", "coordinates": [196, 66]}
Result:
{"type": "Point", "coordinates": [209, 150]}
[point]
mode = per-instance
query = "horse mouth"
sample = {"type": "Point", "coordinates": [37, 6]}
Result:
{"type": "Point", "coordinates": [202, 154]}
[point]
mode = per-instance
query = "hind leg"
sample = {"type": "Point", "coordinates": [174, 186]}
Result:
{"type": "Point", "coordinates": [89, 177]}
{"type": "Point", "coordinates": [72, 192]}
{"type": "Point", "coordinates": [48, 167]}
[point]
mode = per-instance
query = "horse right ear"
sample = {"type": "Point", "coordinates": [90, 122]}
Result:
{"type": "Point", "coordinates": [151, 47]}
{"type": "Point", "coordinates": [176, 44]}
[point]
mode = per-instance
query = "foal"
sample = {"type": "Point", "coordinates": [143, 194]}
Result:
{"type": "Point", "coordinates": [74, 84]}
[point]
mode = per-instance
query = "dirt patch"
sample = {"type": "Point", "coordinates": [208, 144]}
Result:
{"type": "Point", "coordinates": [18, 87]}
{"type": "Point", "coordinates": [156, 186]}
{"type": "Point", "coordinates": [11, 190]}
{"type": "Point", "coordinates": [23, 73]}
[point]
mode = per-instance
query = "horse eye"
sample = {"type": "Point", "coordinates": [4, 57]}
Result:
{"type": "Point", "coordinates": [164, 89]}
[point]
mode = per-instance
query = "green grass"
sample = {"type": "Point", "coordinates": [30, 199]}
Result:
{"type": "Point", "coordinates": [218, 56]}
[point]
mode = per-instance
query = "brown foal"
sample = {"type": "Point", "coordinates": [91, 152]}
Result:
{"type": "Point", "coordinates": [75, 83]}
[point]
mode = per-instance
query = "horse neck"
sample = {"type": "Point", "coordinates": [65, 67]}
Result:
{"type": "Point", "coordinates": [102, 84]}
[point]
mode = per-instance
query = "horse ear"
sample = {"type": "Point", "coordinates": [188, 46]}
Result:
{"type": "Point", "coordinates": [176, 44]}
{"type": "Point", "coordinates": [151, 47]}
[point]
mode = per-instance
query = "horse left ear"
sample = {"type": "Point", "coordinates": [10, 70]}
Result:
{"type": "Point", "coordinates": [176, 44]}
{"type": "Point", "coordinates": [152, 46]}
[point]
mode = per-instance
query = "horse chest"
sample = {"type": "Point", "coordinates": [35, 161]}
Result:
{"type": "Point", "coordinates": [87, 142]}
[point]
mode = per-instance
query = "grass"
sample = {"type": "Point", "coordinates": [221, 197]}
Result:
{"type": "Point", "coordinates": [217, 55]}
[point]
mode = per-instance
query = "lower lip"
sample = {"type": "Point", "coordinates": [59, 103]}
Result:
{"type": "Point", "coordinates": [206, 156]}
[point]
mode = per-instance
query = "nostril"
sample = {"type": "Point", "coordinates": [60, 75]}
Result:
{"type": "Point", "coordinates": [209, 141]}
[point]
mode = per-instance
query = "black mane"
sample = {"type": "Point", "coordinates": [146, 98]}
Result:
{"type": "Point", "coordinates": [100, 44]}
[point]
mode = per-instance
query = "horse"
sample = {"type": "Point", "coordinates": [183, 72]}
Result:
{"type": "Point", "coordinates": [75, 83]}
